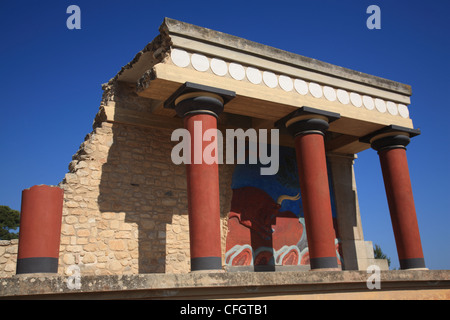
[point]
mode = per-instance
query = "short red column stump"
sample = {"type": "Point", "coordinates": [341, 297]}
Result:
{"type": "Point", "coordinates": [40, 229]}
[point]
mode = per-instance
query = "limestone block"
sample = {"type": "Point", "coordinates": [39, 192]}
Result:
{"type": "Point", "coordinates": [125, 207]}
{"type": "Point", "coordinates": [116, 245]}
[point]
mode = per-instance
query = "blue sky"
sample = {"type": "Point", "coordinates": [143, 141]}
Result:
{"type": "Point", "coordinates": [51, 84]}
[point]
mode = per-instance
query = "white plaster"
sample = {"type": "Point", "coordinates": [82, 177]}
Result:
{"type": "Point", "coordinates": [356, 99]}
{"type": "Point", "coordinates": [254, 75]}
{"type": "Point", "coordinates": [200, 62]}
{"type": "Point", "coordinates": [315, 89]}
{"type": "Point", "coordinates": [343, 96]}
{"type": "Point", "coordinates": [301, 86]}
{"type": "Point", "coordinates": [270, 79]}
{"type": "Point", "coordinates": [329, 93]}
{"type": "Point", "coordinates": [286, 83]}
{"type": "Point", "coordinates": [403, 111]}
{"type": "Point", "coordinates": [219, 67]}
{"type": "Point", "coordinates": [180, 58]}
{"type": "Point", "coordinates": [380, 105]}
{"type": "Point", "coordinates": [392, 108]}
{"type": "Point", "coordinates": [236, 71]}
{"type": "Point", "coordinates": [368, 103]}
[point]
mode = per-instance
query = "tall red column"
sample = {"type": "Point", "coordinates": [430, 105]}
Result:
{"type": "Point", "coordinates": [203, 199]}
{"type": "Point", "coordinates": [40, 230]}
{"type": "Point", "coordinates": [308, 126]}
{"type": "Point", "coordinates": [200, 106]}
{"type": "Point", "coordinates": [394, 165]}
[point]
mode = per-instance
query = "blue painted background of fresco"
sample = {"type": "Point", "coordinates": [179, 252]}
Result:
{"type": "Point", "coordinates": [284, 182]}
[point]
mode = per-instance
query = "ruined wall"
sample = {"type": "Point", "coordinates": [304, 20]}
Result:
{"type": "Point", "coordinates": [8, 257]}
{"type": "Point", "coordinates": [125, 202]}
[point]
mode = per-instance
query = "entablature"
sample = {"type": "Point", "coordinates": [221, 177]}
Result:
{"type": "Point", "coordinates": [269, 83]}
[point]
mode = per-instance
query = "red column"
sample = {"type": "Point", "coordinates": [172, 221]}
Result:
{"type": "Point", "coordinates": [40, 230]}
{"type": "Point", "coordinates": [308, 126]}
{"type": "Point", "coordinates": [315, 191]}
{"type": "Point", "coordinates": [200, 107]}
{"type": "Point", "coordinates": [394, 165]}
{"type": "Point", "coordinates": [203, 200]}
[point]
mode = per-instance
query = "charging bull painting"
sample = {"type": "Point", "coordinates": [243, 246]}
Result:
{"type": "Point", "coordinates": [265, 223]}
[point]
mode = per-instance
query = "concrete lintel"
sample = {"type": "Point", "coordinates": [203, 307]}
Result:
{"type": "Point", "coordinates": [267, 285]}
{"type": "Point", "coordinates": [221, 39]}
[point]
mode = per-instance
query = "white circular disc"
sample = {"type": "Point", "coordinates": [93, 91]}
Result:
{"type": "Point", "coordinates": [392, 108]}
{"type": "Point", "coordinates": [199, 62]}
{"type": "Point", "coordinates": [254, 75]}
{"type": "Point", "coordinates": [236, 71]}
{"type": "Point", "coordinates": [403, 110]}
{"type": "Point", "coordinates": [315, 89]}
{"type": "Point", "coordinates": [286, 83]}
{"type": "Point", "coordinates": [219, 67]}
{"type": "Point", "coordinates": [380, 105]}
{"type": "Point", "coordinates": [343, 96]}
{"type": "Point", "coordinates": [368, 103]}
{"type": "Point", "coordinates": [356, 99]}
{"type": "Point", "coordinates": [270, 79]}
{"type": "Point", "coordinates": [329, 93]}
{"type": "Point", "coordinates": [180, 58]}
{"type": "Point", "coordinates": [301, 86]}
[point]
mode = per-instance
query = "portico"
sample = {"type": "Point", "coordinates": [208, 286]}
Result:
{"type": "Point", "coordinates": [321, 110]}
{"type": "Point", "coordinates": [304, 216]}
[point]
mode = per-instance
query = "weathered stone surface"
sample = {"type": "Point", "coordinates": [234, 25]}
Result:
{"type": "Point", "coordinates": [8, 257]}
{"type": "Point", "coordinates": [432, 284]}
{"type": "Point", "coordinates": [125, 202]}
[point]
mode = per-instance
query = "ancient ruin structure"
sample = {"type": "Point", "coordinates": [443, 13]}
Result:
{"type": "Point", "coordinates": [128, 209]}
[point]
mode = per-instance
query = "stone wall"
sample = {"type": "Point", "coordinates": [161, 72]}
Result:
{"type": "Point", "coordinates": [125, 204]}
{"type": "Point", "coordinates": [8, 257]}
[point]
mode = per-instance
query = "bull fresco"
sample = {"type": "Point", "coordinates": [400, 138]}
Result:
{"type": "Point", "coordinates": [266, 224]}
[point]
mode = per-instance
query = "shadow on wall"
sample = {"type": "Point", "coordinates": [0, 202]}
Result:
{"type": "Point", "coordinates": [143, 195]}
{"type": "Point", "coordinates": [143, 198]}
{"type": "Point", "coordinates": [140, 191]}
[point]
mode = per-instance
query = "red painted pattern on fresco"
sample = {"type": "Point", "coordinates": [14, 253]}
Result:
{"type": "Point", "coordinates": [259, 232]}
{"type": "Point", "coordinates": [255, 220]}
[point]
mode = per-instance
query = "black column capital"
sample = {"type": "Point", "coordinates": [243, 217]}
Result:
{"type": "Point", "coordinates": [193, 98]}
{"type": "Point", "coordinates": [306, 120]}
{"type": "Point", "coordinates": [390, 137]}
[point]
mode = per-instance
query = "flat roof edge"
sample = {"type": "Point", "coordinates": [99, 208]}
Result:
{"type": "Point", "coordinates": [236, 43]}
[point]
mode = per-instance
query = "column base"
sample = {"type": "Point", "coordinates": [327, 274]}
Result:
{"type": "Point", "coordinates": [37, 265]}
{"type": "Point", "coordinates": [206, 264]}
{"type": "Point", "coordinates": [37, 275]}
{"type": "Point", "coordinates": [323, 263]}
{"type": "Point", "coordinates": [414, 263]}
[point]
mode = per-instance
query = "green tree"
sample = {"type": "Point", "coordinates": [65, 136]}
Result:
{"type": "Point", "coordinates": [378, 253]}
{"type": "Point", "coordinates": [9, 222]}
